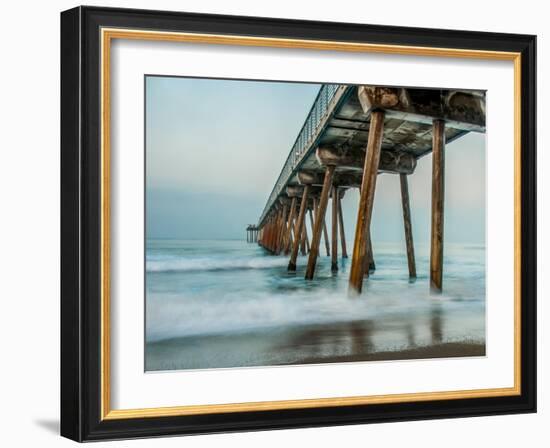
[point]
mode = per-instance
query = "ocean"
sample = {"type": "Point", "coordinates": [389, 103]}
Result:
{"type": "Point", "coordinates": [229, 303]}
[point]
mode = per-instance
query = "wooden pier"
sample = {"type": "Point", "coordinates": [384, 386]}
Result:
{"type": "Point", "coordinates": [351, 135]}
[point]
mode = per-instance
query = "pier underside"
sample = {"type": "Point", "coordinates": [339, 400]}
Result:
{"type": "Point", "coordinates": [347, 140]}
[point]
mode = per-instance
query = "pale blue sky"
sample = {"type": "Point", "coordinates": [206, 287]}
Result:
{"type": "Point", "coordinates": [214, 149]}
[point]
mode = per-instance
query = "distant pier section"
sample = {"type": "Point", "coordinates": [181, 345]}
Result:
{"type": "Point", "coordinates": [350, 136]}
{"type": "Point", "coordinates": [252, 233]}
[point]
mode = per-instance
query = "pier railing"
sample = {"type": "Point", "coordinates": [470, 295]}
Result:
{"type": "Point", "coordinates": [325, 103]}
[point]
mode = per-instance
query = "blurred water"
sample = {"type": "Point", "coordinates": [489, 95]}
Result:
{"type": "Point", "coordinates": [230, 303]}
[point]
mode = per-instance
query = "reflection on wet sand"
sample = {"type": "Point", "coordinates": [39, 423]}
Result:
{"type": "Point", "coordinates": [365, 340]}
{"type": "Point", "coordinates": [370, 340]}
{"type": "Point", "coordinates": [435, 324]}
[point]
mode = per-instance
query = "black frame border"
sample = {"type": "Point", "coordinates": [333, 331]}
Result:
{"type": "Point", "coordinates": [81, 223]}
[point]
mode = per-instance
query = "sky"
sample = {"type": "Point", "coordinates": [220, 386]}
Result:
{"type": "Point", "coordinates": [214, 149]}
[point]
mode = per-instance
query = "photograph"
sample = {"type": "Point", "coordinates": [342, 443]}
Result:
{"type": "Point", "coordinates": [292, 223]}
{"type": "Point", "coordinates": [272, 222]}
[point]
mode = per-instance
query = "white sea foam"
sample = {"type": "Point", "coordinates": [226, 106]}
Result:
{"type": "Point", "coordinates": [170, 316]}
{"type": "Point", "coordinates": [212, 263]}
{"type": "Point", "coordinates": [251, 290]}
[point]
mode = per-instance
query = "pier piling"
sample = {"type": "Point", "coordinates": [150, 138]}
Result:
{"type": "Point", "coordinates": [438, 196]}
{"type": "Point", "coordinates": [298, 227]}
{"type": "Point", "coordinates": [288, 241]}
{"type": "Point", "coordinates": [334, 259]}
{"type": "Point", "coordinates": [325, 231]}
{"type": "Point", "coordinates": [282, 228]}
{"type": "Point", "coordinates": [407, 224]}
{"type": "Point", "coordinates": [325, 236]}
{"type": "Point", "coordinates": [303, 240]}
{"type": "Point", "coordinates": [319, 221]}
{"type": "Point", "coordinates": [371, 265]}
{"type": "Point", "coordinates": [341, 226]}
{"type": "Point", "coordinates": [368, 186]}
{"type": "Point", "coordinates": [311, 225]}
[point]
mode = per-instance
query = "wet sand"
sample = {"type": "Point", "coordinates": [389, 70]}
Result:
{"type": "Point", "coordinates": [444, 350]}
{"type": "Point", "coordinates": [357, 341]}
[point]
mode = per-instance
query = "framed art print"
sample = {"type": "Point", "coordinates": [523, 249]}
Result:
{"type": "Point", "coordinates": [273, 224]}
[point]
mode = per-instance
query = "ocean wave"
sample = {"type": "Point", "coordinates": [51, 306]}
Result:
{"type": "Point", "coordinates": [213, 264]}
{"type": "Point", "coordinates": [255, 293]}
{"type": "Point", "coordinates": [177, 315]}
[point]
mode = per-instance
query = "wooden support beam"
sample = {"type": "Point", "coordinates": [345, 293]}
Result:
{"type": "Point", "coordinates": [270, 236]}
{"type": "Point", "coordinates": [303, 235]}
{"type": "Point", "coordinates": [303, 240]}
{"type": "Point", "coordinates": [298, 229]}
{"type": "Point", "coordinates": [282, 229]}
{"type": "Point", "coordinates": [341, 226]}
{"type": "Point", "coordinates": [292, 233]}
{"type": "Point", "coordinates": [334, 260]}
{"type": "Point", "coordinates": [368, 262]}
{"type": "Point", "coordinates": [371, 266]}
{"type": "Point", "coordinates": [407, 224]}
{"type": "Point", "coordinates": [438, 196]}
{"type": "Point", "coordinates": [288, 239]}
{"type": "Point", "coordinates": [319, 221]}
{"type": "Point", "coordinates": [277, 228]}
{"type": "Point", "coordinates": [311, 222]}
{"type": "Point", "coordinates": [311, 217]}
{"type": "Point", "coordinates": [325, 236]}
{"type": "Point", "coordinates": [304, 247]}
{"type": "Point", "coordinates": [366, 200]}
{"type": "Point", "coordinates": [265, 234]}
{"type": "Point", "coordinates": [274, 231]}
{"type": "Point", "coordinates": [270, 233]}
{"type": "Point", "coordinates": [325, 231]}
{"type": "Point", "coordinates": [391, 161]}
